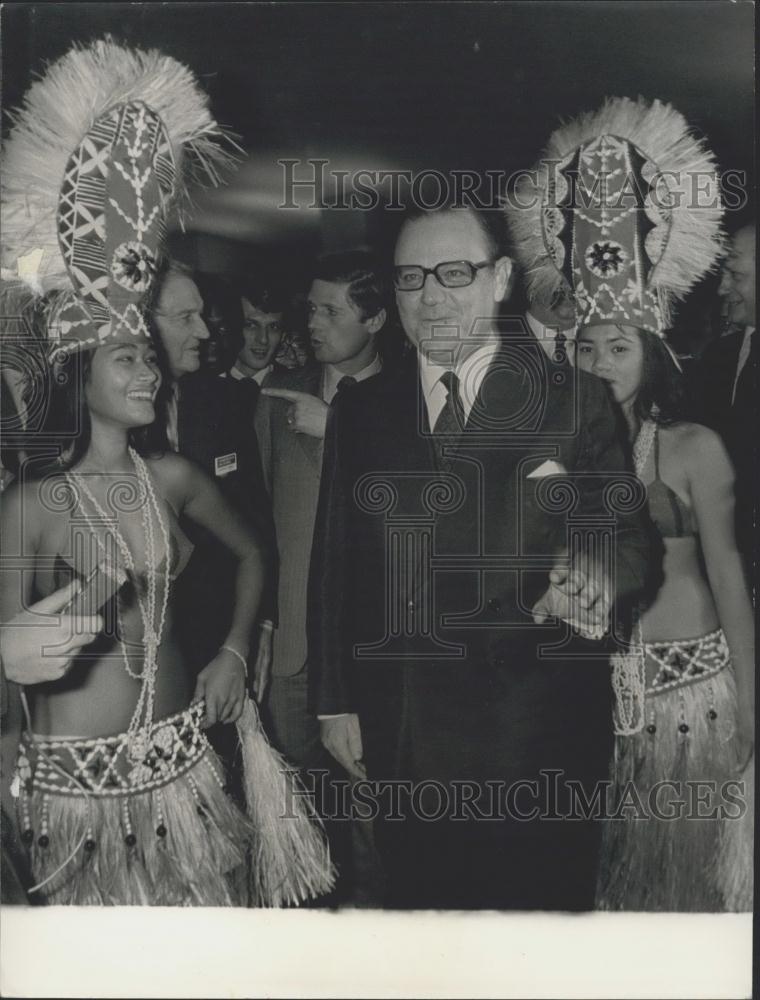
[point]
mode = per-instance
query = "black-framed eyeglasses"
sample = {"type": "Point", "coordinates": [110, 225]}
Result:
{"type": "Point", "coordinates": [450, 274]}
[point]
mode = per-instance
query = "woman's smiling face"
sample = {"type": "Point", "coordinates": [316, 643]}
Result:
{"type": "Point", "coordinates": [614, 353]}
{"type": "Point", "coordinates": [122, 383]}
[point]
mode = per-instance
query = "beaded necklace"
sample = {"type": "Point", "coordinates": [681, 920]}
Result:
{"type": "Point", "coordinates": [643, 446]}
{"type": "Point", "coordinates": [139, 727]}
{"type": "Point", "coordinates": [629, 669]}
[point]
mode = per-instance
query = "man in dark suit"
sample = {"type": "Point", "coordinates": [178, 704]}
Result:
{"type": "Point", "coordinates": [210, 421]}
{"type": "Point", "coordinates": [553, 329]}
{"type": "Point", "coordinates": [346, 308]}
{"type": "Point", "coordinates": [346, 312]}
{"type": "Point", "coordinates": [723, 383]}
{"type": "Point", "coordinates": [439, 572]}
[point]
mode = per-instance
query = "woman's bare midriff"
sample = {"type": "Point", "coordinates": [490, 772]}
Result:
{"type": "Point", "coordinates": [97, 697]}
{"type": "Point", "coordinates": [684, 607]}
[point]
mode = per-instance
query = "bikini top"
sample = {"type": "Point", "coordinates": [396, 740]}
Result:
{"type": "Point", "coordinates": [671, 515]}
{"type": "Point", "coordinates": [180, 550]}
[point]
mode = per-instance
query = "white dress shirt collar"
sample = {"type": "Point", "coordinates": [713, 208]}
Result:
{"type": "Point", "coordinates": [259, 377]}
{"type": "Point", "coordinates": [547, 336]}
{"type": "Point", "coordinates": [470, 373]}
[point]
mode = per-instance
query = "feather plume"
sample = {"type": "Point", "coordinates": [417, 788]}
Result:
{"type": "Point", "coordinates": [688, 169]}
{"type": "Point", "coordinates": [58, 111]}
{"type": "Point", "coordinates": [291, 855]}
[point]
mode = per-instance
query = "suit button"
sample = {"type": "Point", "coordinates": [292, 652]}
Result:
{"type": "Point", "coordinates": [499, 661]}
{"type": "Point", "coordinates": [494, 604]}
{"type": "Point", "coordinates": [410, 607]}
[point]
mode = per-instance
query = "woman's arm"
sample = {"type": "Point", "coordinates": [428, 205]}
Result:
{"type": "Point", "coordinates": [221, 682]}
{"type": "Point", "coordinates": [38, 642]}
{"type": "Point", "coordinates": [711, 483]}
{"type": "Point", "coordinates": [19, 536]}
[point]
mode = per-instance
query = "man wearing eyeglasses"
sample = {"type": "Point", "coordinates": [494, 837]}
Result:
{"type": "Point", "coordinates": [440, 583]}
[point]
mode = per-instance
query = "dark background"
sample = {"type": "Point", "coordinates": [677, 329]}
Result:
{"type": "Point", "coordinates": [405, 85]}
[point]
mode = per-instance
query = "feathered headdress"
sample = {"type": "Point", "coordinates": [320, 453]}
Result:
{"type": "Point", "coordinates": [623, 211]}
{"type": "Point", "coordinates": [105, 145]}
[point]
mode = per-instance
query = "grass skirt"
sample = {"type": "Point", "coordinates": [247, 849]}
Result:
{"type": "Point", "coordinates": [110, 824]}
{"type": "Point", "coordinates": [673, 864]}
{"type": "Point", "coordinates": [735, 861]}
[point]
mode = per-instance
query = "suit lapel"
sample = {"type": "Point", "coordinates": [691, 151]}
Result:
{"type": "Point", "coordinates": [511, 405]}
{"type": "Point", "coordinates": [412, 421]}
{"type": "Point", "coordinates": [732, 361]}
{"type": "Point", "coordinates": [196, 422]}
{"type": "Point", "coordinates": [311, 446]}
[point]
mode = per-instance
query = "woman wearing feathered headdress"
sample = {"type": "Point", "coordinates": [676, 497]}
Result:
{"type": "Point", "coordinates": [625, 214]}
{"type": "Point", "coordinates": [121, 799]}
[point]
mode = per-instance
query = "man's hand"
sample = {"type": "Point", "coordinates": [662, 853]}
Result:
{"type": "Point", "coordinates": [306, 415]}
{"type": "Point", "coordinates": [222, 684]}
{"type": "Point", "coordinates": [263, 668]}
{"type": "Point", "coordinates": [39, 644]}
{"type": "Point", "coordinates": [343, 739]}
{"type": "Point", "coordinates": [580, 598]}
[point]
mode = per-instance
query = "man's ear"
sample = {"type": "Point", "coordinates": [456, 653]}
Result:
{"type": "Point", "coordinates": [502, 270]}
{"type": "Point", "coordinates": [377, 322]}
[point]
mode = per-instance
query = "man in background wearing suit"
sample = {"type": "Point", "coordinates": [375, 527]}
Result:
{"type": "Point", "coordinates": [263, 305]}
{"type": "Point", "coordinates": [724, 385]}
{"type": "Point", "coordinates": [346, 309]}
{"type": "Point", "coordinates": [550, 328]}
{"type": "Point", "coordinates": [210, 421]}
{"type": "Point", "coordinates": [440, 658]}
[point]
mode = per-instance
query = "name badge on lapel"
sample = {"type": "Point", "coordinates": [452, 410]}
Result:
{"type": "Point", "coordinates": [225, 464]}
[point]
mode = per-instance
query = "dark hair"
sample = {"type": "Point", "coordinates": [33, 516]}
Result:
{"type": "Point", "coordinates": [360, 270]}
{"type": "Point", "coordinates": [68, 416]}
{"type": "Point", "coordinates": [490, 221]}
{"type": "Point", "coordinates": [662, 384]}
{"type": "Point", "coordinates": [264, 295]}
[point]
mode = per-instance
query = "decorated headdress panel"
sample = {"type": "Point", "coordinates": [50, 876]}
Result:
{"type": "Point", "coordinates": [623, 212]}
{"type": "Point", "coordinates": [102, 150]}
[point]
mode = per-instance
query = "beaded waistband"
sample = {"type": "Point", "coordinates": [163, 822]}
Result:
{"type": "Point", "coordinates": [104, 765]}
{"type": "Point", "coordinates": [685, 661]}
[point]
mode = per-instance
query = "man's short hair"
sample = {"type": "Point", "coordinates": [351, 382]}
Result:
{"type": "Point", "coordinates": [359, 270]}
{"type": "Point", "coordinates": [491, 222]}
{"type": "Point", "coordinates": [266, 295]}
{"type": "Point", "coordinates": [168, 267]}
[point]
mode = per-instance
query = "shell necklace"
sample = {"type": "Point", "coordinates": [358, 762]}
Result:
{"type": "Point", "coordinates": [643, 445]}
{"type": "Point", "coordinates": [153, 619]}
{"type": "Point", "coordinates": [629, 668]}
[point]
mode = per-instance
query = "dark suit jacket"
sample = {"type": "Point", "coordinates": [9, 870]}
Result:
{"type": "Point", "coordinates": [711, 382]}
{"type": "Point", "coordinates": [214, 420]}
{"type": "Point", "coordinates": [502, 706]}
{"type": "Point", "coordinates": [270, 379]}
